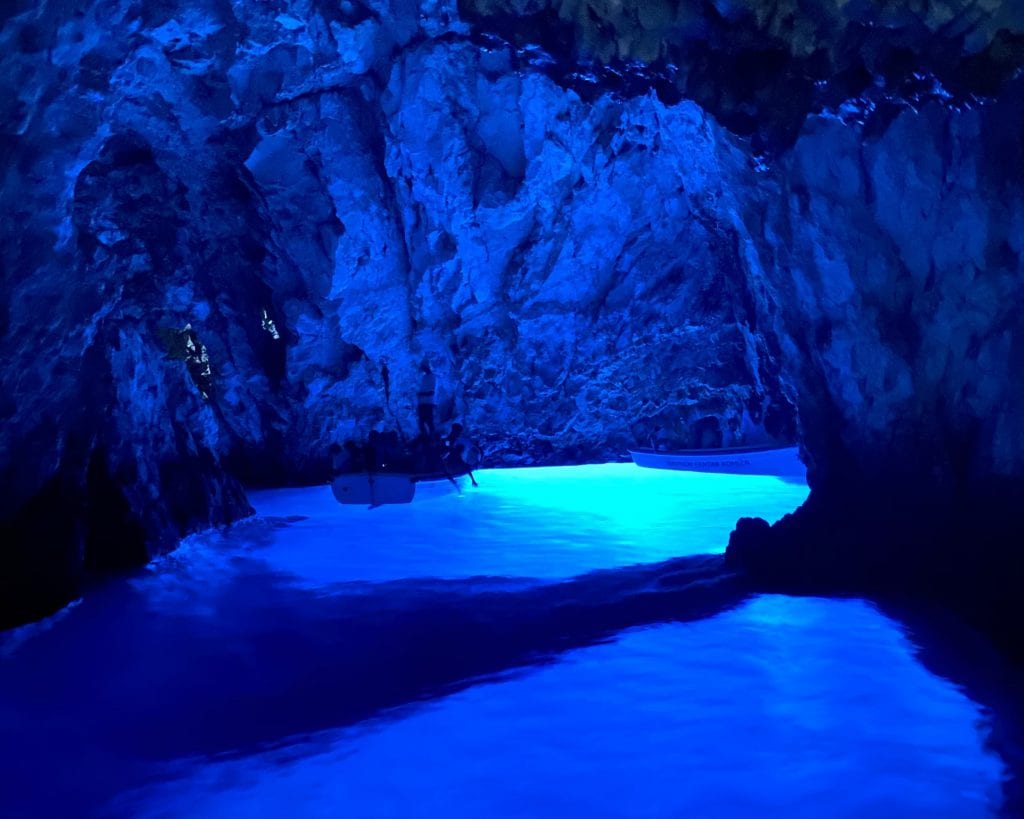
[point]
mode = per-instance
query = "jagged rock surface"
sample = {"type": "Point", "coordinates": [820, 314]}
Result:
{"type": "Point", "coordinates": [895, 265]}
{"type": "Point", "coordinates": [582, 251]}
{"type": "Point", "coordinates": [762, 66]}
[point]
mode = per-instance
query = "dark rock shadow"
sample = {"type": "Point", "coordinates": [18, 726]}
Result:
{"type": "Point", "coordinates": [101, 702]}
{"type": "Point", "coordinates": [949, 648]}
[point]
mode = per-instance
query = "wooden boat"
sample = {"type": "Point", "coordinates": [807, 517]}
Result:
{"type": "Point", "coordinates": [391, 487]}
{"type": "Point", "coordinates": [772, 459]}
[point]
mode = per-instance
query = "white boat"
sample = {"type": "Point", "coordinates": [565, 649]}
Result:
{"type": "Point", "coordinates": [773, 459]}
{"type": "Point", "coordinates": [390, 487]}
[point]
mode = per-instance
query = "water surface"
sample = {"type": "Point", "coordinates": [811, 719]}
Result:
{"type": "Point", "coordinates": [432, 660]}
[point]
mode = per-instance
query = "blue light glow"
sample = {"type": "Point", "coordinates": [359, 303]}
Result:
{"type": "Point", "coordinates": [246, 673]}
{"type": "Point", "coordinates": [546, 522]}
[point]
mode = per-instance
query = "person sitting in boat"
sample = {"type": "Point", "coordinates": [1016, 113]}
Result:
{"type": "Point", "coordinates": [349, 459]}
{"type": "Point", "coordinates": [659, 440]}
{"type": "Point", "coordinates": [752, 429]}
{"type": "Point", "coordinates": [431, 457]}
{"type": "Point", "coordinates": [399, 452]}
{"type": "Point", "coordinates": [707, 433]}
{"type": "Point", "coordinates": [389, 454]}
{"type": "Point", "coordinates": [461, 454]}
{"type": "Point", "coordinates": [380, 456]}
{"type": "Point", "coordinates": [456, 463]}
{"type": "Point", "coordinates": [337, 457]}
{"type": "Point", "coordinates": [428, 453]}
{"type": "Point", "coordinates": [732, 437]}
{"type": "Point", "coordinates": [470, 451]}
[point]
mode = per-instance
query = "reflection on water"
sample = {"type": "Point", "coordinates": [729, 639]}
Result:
{"type": "Point", "coordinates": [760, 711]}
{"type": "Point", "coordinates": [430, 660]}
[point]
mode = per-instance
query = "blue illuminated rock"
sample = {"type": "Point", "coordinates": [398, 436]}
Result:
{"type": "Point", "coordinates": [222, 219]}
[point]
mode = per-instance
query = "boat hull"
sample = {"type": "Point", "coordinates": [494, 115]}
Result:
{"type": "Point", "coordinates": [389, 487]}
{"type": "Point", "coordinates": [779, 461]}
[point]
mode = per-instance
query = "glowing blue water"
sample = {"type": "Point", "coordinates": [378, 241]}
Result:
{"type": "Point", "coordinates": [550, 522]}
{"type": "Point", "coordinates": [230, 678]}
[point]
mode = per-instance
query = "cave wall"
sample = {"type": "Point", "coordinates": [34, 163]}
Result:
{"type": "Point", "coordinates": [502, 235]}
{"type": "Point", "coordinates": [894, 260]}
{"type": "Point", "coordinates": [221, 219]}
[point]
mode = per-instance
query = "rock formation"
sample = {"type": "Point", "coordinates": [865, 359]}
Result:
{"type": "Point", "coordinates": [895, 264]}
{"type": "Point", "coordinates": [222, 219]}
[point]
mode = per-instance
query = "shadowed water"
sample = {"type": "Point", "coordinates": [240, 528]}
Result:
{"type": "Point", "coordinates": [449, 658]}
{"type": "Point", "coordinates": [756, 712]}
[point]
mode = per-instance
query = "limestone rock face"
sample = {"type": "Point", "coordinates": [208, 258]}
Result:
{"type": "Point", "coordinates": [222, 221]}
{"type": "Point", "coordinates": [895, 266]}
{"type": "Point", "coordinates": [894, 263]}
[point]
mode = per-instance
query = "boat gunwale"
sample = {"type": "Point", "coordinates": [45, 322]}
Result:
{"type": "Point", "coordinates": [717, 451]}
